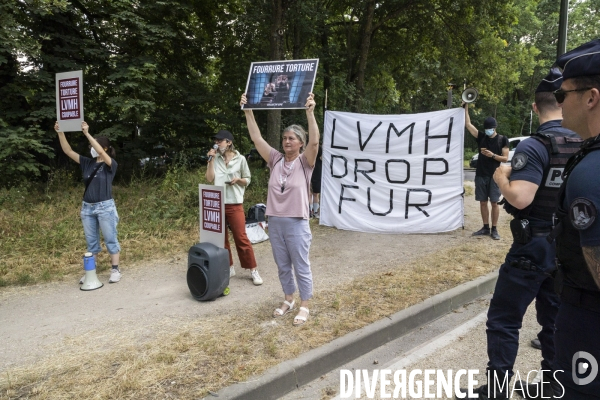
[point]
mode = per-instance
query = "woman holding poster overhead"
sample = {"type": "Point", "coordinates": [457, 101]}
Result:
{"type": "Point", "coordinates": [98, 210]}
{"type": "Point", "coordinates": [287, 205]}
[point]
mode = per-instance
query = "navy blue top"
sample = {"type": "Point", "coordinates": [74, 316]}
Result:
{"type": "Point", "coordinates": [583, 196]}
{"type": "Point", "coordinates": [100, 188]}
{"type": "Point", "coordinates": [538, 158]}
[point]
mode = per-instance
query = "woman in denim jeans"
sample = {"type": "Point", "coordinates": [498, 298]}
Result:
{"type": "Point", "coordinates": [98, 211]}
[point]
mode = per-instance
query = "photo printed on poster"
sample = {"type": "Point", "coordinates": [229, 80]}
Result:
{"type": "Point", "coordinates": [280, 84]}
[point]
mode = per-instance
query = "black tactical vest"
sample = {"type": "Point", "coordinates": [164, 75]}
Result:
{"type": "Point", "coordinates": [560, 149]}
{"type": "Point", "coordinates": [568, 246]}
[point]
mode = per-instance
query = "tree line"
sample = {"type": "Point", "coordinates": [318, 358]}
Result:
{"type": "Point", "coordinates": [163, 76]}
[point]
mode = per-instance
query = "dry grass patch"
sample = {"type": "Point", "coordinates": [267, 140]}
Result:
{"type": "Point", "coordinates": [187, 359]}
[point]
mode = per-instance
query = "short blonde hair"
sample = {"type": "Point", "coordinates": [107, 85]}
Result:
{"type": "Point", "coordinates": [231, 147]}
{"type": "Point", "coordinates": [299, 132]}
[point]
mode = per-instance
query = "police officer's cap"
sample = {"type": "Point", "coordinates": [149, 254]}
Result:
{"type": "Point", "coordinates": [551, 82]}
{"type": "Point", "coordinates": [582, 61]}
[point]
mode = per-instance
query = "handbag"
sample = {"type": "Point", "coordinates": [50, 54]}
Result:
{"type": "Point", "coordinates": [91, 178]}
{"type": "Point", "coordinates": [256, 213]}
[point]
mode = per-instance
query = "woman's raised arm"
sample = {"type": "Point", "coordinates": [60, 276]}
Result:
{"type": "Point", "coordinates": [312, 148]}
{"type": "Point", "coordinates": [66, 147]}
{"type": "Point", "coordinates": [263, 148]}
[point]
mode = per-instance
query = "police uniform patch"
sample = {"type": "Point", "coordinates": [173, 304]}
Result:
{"type": "Point", "coordinates": [554, 177]}
{"type": "Point", "coordinates": [582, 213]}
{"type": "Point", "coordinates": [519, 161]}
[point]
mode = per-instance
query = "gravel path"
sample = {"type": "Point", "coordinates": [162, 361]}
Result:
{"type": "Point", "coordinates": [153, 297]}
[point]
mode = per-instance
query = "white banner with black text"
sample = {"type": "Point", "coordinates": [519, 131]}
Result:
{"type": "Point", "coordinates": [393, 173]}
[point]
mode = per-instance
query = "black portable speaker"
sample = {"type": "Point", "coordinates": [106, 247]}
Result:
{"type": "Point", "coordinates": [208, 271]}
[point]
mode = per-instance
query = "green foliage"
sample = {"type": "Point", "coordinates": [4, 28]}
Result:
{"type": "Point", "coordinates": [584, 22]}
{"type": "Point", "coordinates": [469, 153]}
{"type": "Point", "coordinates": [18, 150]}
{"type": "Point", "coordinates": [164, 76]}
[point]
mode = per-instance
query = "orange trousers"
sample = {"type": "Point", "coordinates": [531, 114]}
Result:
{"type": "Point", "coordinates": [235, 219]}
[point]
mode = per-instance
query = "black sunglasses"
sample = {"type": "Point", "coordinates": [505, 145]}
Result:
{"type": "Point", "coordinates": [560, 94]}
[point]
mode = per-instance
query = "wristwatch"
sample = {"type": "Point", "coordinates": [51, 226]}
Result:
{"type": "Point", "coordinates": [493, 156]}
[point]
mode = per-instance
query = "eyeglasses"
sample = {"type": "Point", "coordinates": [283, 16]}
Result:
{"type": "Point", "coordinates": [560, 94]}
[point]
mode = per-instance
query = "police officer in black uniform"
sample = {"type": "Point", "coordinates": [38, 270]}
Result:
{"type": "Point", "coordinates": [577, 337]}
{"type": "Point", "coordinates": [530, 187]}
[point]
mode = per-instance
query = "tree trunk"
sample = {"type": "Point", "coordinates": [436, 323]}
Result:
{"type": "Point", "coordinates": [325, 62]}
{"type": "Point", "coordinates": [276, 41]}
{"type": "Point", "coordinates": [297, 47]}
{"type": "Point", "coordinates": [365, 44]}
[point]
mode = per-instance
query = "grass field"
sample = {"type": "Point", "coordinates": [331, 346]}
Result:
{"type": "Point", "coordinates": [41, 236]}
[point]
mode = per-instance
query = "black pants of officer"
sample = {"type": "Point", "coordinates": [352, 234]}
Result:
{"type": "Point", "coordinates": [577, 342]}
{"type": "Point", "coordinates": [515, 289]}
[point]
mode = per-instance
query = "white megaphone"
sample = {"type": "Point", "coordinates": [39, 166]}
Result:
{"type": "Point", "coordinates": [469, 95]}
{"type": "Point", "coordinates": [91, 281]}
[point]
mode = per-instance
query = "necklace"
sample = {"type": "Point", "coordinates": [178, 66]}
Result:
{"type": "Point", "coordinates": [283, 175]}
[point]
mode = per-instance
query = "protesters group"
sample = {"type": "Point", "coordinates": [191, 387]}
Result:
{"type": "Point", "coordinates": [289, 203]}
{"type": "Point", "coordinates": [551, 188]}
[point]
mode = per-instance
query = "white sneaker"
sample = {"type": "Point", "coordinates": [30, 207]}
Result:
{"type": "Point", "coordinates": [115, 276]}
{"type": "Point", "coordinates": [256, 279]}
{"type": "Point", "coordinates": [231, 271]}
{"type": "Point", "coordinates": [82, 280]}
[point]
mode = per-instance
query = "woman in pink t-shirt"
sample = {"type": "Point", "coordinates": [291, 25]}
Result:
{"type": "Point", "coordinates": [288, 205]}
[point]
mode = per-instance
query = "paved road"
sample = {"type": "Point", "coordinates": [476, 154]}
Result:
{"type": "Point", "coordinates": [469, 174]}
{"type": "Point", "coordinates": [456, 341]}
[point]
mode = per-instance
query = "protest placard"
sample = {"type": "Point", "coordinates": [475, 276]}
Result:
{"type": "Point", "coordinates": [280, 84]}
{"type": "Point", "coordinates": [69, 100]}
{"type": "Point", "coordinates": [393, 173]}
{"type": "Point", "coordinates": [212, 215]}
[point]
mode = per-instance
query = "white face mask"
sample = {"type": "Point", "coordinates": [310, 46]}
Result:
{"type": "Point", "coordinates": [223, 149]}
{"type": "Point", "coordinates": [94, 153]}
{"type": "Point", "coordinates": [489, 132]}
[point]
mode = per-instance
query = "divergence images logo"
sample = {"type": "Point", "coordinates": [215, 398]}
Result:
{"type": "Point", "coordinates": [580, 367]}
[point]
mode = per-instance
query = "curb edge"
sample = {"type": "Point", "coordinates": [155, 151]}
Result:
{"type": "Point", "coordinates": [291, 374]}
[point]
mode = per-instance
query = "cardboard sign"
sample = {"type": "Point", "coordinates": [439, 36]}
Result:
{"type": "Point", "coordinates": [69, 100]}
{"type": "Point", "coordinates": [212, 215]}
{"type": "Point", "coordinates": [280, 84]}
